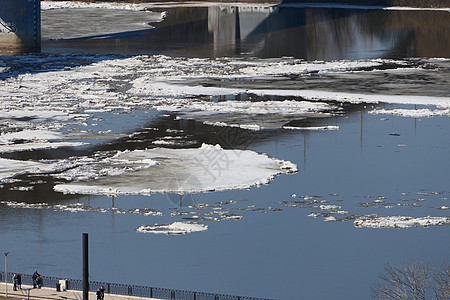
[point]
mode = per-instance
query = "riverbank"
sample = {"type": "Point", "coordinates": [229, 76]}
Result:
{"type": "Point", "coordinates": [384, 3]}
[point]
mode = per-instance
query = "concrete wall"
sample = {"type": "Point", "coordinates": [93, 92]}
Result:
{"type": "Point", "coordinates": [20, 25]}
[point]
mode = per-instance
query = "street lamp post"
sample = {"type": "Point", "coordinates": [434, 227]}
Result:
{"type": "Point", "coordinates": [6, 276]}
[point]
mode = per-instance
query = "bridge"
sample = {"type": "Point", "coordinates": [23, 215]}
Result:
{"type": "Point", "coordinates": [20, 25]}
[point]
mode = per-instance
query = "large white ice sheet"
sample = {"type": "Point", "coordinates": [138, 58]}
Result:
{"type": "Point", "coordinates": [208, 168]}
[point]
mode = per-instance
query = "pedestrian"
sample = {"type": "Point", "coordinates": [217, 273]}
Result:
{"type": "Point", "coordinates": [39, 282]}
{"type": "Point", "coordinates": [15, 282]}
{"type": "Point", "coordinates": [99, 294]}
{"type": "Point", "coordinates": [34, 277]}
{"type": "Point", "coordinates": [19, 280]}
{"type": "Point", "coordinates": [102, 289]}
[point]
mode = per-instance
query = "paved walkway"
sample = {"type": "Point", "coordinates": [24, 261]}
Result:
{"type": "Point", "coordinates": [27, 292]}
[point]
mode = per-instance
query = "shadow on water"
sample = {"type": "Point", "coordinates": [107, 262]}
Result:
{"type": "Point", "coordinates": [306, 33]}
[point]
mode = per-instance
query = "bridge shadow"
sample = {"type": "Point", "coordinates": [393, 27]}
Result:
{"type": "Point", "coordinates": [59, 55]}
{"type": "Point", "coordinates": [287, 29]}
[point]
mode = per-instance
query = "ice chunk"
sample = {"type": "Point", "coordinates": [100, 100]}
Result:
{"type": "Point", "coordinates": [400, 221]}
{"type": "Point", "coordinates": [329, 127]}
{"type": "Point", "coordinates": [38, 146]}
{"type": "Point", "coordinates": [208, 168]}
{"type": "Point", "coordinates": [175, 228]}
{"type": "Point", "coordinates": [10, 168]}
{"type": "Point", "coordinates": [30, 135]}
{"type": "Point", "coordinates": [415, 113]}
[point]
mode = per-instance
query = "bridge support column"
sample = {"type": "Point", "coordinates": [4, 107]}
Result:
{"type": "Point", "coordinates": [20, 25]}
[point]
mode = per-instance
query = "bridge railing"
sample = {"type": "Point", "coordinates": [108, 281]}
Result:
{"type": "Point", "coordinates": [127, 290]}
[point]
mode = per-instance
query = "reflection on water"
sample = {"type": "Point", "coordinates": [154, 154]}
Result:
{"type": "Point", "coordinates": [307, 33]}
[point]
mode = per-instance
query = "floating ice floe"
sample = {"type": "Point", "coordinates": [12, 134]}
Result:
{"type": "Point", "coordinates": [35, 140]}
{"type": "Point", "coordinates": [10, 168]}
{"type": "Point", "coordinates": [216, 215]}
{"type": "Point", "coordinates": [400, 221]}
{"type": "Point", "coordinates": [75, 85]}
{"type": "Point", "coordinates": [38, 146]}
{"type": "Point", "coordinates": [30, 135]}
{"type": "Point", "coordinates": [48, 5]}
{"type": "Point", "coordinates": [329, 127]}
{"type": "Point", "coordinates": [86, 168]}
{"type": "Point", "coordinates": [247, 114]}
{"type": "Point", "coordinates": [14, 204]}
{"type": "Point", "coordinates": [310, 95]}
{"type": "Point", "coordinates": [176, 228]}
{"type": "Point", "coordinates": [81, 207]}
{"type": "Point", "coordinates": [208, 168]}
{"type": "Point", "coordinates": [415, 113]}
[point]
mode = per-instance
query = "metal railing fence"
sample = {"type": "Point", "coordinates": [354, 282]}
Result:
{"type": "Point", "coordinates": [127, 290]}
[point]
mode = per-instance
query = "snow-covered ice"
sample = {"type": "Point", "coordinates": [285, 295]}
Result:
{"type": "Point", "coordinates": [74, 94]}
{"type": "Point", "coordinates": [8, 148]}
{"type": "Point", "coordinates": [48, 5]}
{"type": "Point", "coordinates": [10, 168]}
{"type": "Point", "coordinates": [175, 228]}
{"type": "Point", "coordinates": [30, 135]}
{"type": "Point", "coordinates": [208, 168]}
{"type": "Point", "coordinates": [415, 113]}
{"type": "Point", "coordinates": [81, 207]}
{"type": "Point", "coordinates": [400, 221]}
{"type": "Point", "coordinates": [329, 127]}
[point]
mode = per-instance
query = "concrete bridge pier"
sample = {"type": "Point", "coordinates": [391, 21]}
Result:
{"type": "Point", "coordinates": [20, 25]}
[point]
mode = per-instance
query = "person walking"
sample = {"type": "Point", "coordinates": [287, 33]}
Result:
{"type": "Point", "coordinates": [19, 281]}
{"type": "Point", "coordinates": [99, 294]}
{"type": "Point", "coordinates": [39, 282]}
{"type": "Point", "coordinates": [36, 279]}
{"type": "Point", "coordinates": [15, 282]}
{"type": "Point", "coordinates": [102, 289]}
